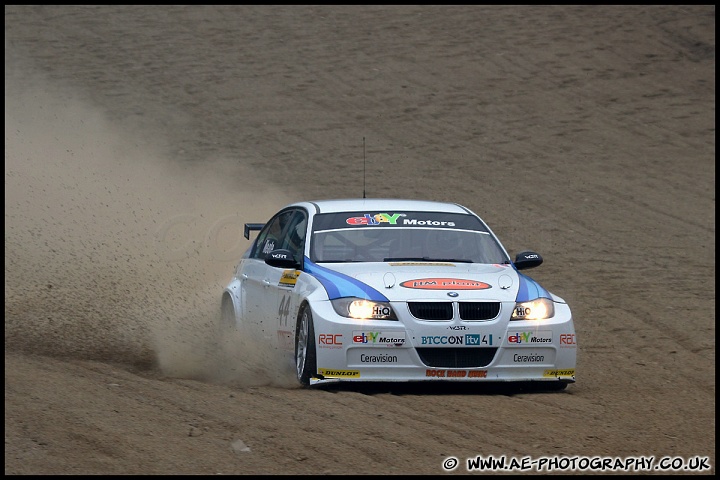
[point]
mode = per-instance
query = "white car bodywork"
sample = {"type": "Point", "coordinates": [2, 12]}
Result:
{"type": "Point", "coordinates": [453, 318]}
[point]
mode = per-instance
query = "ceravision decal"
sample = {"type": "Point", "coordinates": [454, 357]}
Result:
{"type": "Point", "coordinates": [445, 284]}
{"type": "Point", "coordinates": [327, 372]}
{"type": "Point", "coordinates": [289, 278]}
{"type": "Point", "coordinates": [532, 358]}
{"type": "Point", "coordinates": [381, 358]}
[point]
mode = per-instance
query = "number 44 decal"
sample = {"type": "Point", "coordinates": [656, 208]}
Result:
{"type": "Point", "coordinates": [284, 310]}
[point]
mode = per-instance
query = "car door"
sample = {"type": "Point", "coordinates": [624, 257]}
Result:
{"type": "Point", "coordinates": [260, 297]}
{"type": "Point", "coordinates": [293, 239]}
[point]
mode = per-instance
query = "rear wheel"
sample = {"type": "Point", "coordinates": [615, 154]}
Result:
{"type": "Point", "coordinates": [305, 360]}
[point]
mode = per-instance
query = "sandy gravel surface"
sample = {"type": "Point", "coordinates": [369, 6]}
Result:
{"type": "Point", "coordinates": [139, 139]}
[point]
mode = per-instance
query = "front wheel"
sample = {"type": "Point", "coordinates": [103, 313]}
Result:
{"type": "Point", "coordinates": [305, 360]}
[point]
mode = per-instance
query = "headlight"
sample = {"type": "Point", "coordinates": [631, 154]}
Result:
{"type": "Point", "coordinates": [353, 307]}
{"type": "Point", "coordinates": [538, 309]}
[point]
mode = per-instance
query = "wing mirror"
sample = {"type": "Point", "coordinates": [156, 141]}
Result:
{"type": "Point", "coordinates": [527, 259]}
{"type": "Point", "coordinates": [282, 258]}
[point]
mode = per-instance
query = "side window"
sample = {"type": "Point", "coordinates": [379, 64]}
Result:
{"type": "Point", "coordinates": [294, 238]}
{"type": "Point", "coordinates": [271, 236]}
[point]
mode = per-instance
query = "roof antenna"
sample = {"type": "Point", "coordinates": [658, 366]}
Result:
{"type": "Point", "coordinates": [363, 167]}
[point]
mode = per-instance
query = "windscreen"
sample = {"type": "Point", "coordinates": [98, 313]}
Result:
{"type": "Point", "coordinates": [406, 236]}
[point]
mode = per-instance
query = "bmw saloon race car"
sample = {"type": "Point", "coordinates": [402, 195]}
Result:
{"type": "Point", "coordinates": [398, 290]}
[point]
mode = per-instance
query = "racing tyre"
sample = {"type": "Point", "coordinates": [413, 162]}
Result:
{"type": "Point", "coordinates": [305, 360]}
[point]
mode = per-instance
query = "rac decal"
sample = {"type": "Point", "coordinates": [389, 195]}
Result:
{"type": "Point", "coordinates": [567, 340]}
{"type": "Point", "coordinates": [445, 284]}
{"type": "Point", "coordinates": [330, 340]}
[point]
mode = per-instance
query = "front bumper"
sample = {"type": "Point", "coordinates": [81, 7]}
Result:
{"type": "Point", "coordinates": [410, 349]}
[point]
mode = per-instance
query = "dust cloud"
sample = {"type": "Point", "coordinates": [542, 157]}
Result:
{"type": "Point", "coordinates": [115, 252]}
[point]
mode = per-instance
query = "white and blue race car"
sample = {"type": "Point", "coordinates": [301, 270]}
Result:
{"type": "Point", "coordinates": [398, 290]}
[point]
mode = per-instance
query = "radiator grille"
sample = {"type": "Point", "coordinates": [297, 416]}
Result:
{"type": "Point", "coordinates": [479, 310]}
{"type": "Point", "coordinates": [431, 310]}
{"type": "Point", "coordinates": [444, 310]}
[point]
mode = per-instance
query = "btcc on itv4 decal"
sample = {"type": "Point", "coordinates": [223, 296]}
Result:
{"type": "Point", "coordinates": [391, 290]}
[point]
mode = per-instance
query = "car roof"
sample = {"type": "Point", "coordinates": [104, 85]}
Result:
{"type": "Point", "coordinates": [381, 204]}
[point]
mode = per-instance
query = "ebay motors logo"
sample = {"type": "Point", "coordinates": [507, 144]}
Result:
{"type": "Point", "coordinates": [530, 338]}
{"type": "Point", "coordinates": [396, 339]}
{"type": "Point", "coordinates": [376, 219]}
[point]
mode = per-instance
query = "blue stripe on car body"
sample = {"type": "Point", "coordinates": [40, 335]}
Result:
{"type": "Point", "coordinates": [529, 289]}
{"type": "Point", "coordinates": [339, 285]}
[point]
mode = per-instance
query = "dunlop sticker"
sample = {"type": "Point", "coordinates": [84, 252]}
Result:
{"type": "Point", "coordinates": [327, 372]}
{"type": "Point", "coordinates": [570, 372]}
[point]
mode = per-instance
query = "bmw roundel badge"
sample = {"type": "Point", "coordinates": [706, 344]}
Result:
{"type": "Point", "coordinates": [452, 294]}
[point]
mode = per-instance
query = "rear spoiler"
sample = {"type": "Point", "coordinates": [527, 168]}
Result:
{"type": "Point", "coordinates": [252, 226]}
